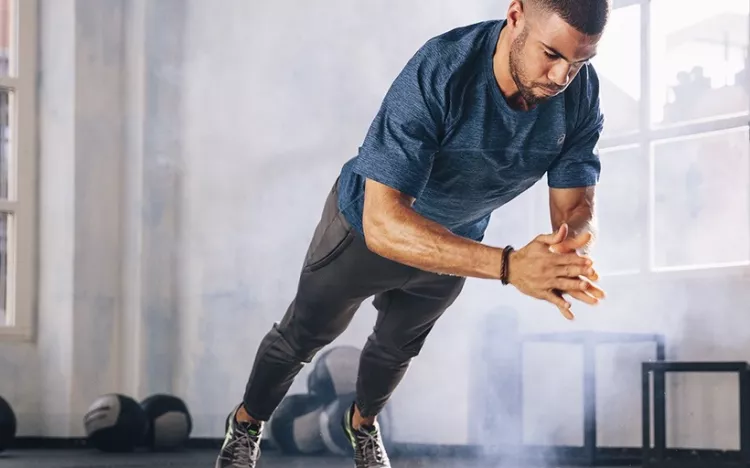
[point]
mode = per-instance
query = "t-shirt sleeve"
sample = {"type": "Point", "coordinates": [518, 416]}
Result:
{"type": "Point", "coordinates": [579, 164]}
{"type": "Point", "coordinates": [403, 139]}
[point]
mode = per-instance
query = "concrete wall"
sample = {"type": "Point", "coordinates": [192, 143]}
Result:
{"type": "Point", "coordinates": [185, 154]}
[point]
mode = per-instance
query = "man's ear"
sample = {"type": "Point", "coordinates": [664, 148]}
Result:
{"type": "Point", "coordinates": [515, 16]}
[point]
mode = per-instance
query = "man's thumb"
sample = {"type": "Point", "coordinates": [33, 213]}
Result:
{"type": "Point", "coordinates": [582, 240]}
{"type": "Point", "coordinates": [555, 238]}
{"type": "Point", "coordinates": [571, 244]}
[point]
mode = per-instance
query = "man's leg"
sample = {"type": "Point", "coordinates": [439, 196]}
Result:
{"type": "Point", "coordinates": [405, 318]}
{"type": "Point", "coordinates": [338, 274]}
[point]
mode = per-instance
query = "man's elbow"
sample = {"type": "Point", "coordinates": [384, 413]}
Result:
{"type": "Point", "coordinates": [373, 227]}
{"type": "Point", "coordinates": [383, 213]}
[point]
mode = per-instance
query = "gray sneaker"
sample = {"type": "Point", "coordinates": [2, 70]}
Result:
{"type": "Point", "coordinates": [241, 448]}
{"type": "Point", "coordinates": [369, 451]}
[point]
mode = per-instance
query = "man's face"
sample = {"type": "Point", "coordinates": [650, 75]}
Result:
{"type": "Point", "coordinates": [546, 54]}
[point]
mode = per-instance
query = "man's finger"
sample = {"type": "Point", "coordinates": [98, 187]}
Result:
{"type": "Point", "coordinates": [560, 302]}
{"type": "Point", "coordinates": [560, 248]}
{"type": "Point", "coordinates": [580, 240]}
{"type": "Point", "coordinates": [565, 259]}
{"type": "Point", "coordinates": [594, 290]}
{"type": "Point", "coordinates": [583, 297]}
{"type": "Point", "coordinates": [572, 244]}
{"type": "Point", "coordinates": [569, 284]}
{"type": "Point", "coordinates": [566, 246]}
{"type": "Point", "coordinates": [574, 271]}
{"type": "Point", "coordinates": [554, 238]}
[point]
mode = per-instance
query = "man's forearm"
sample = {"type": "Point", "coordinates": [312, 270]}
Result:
{"type": "Point", "coordinates": [409, 238]}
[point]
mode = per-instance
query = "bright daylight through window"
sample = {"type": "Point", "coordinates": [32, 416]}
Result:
{"type": "Point", "coordinates": [675, 172]}
{"type": "Point", "coordinates": [18, 36]}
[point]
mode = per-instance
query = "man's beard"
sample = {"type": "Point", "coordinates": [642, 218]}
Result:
{"type": "Point", "coordinates": [516, 72]}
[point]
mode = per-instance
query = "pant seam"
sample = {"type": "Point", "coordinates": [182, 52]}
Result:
{"type": "Point", "coordinates": [252, 413]}
{"type": "Point", "coordinates": [364, 410]}
{"type": "Point", "coordinates": [409, 277]}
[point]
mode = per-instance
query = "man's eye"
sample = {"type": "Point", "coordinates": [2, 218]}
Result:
{"type": "Point", "coordinates": [550, 55]}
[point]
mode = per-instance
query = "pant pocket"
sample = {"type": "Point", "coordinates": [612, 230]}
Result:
{"type": "Point", "coordinates": [335, 238]}
{"type": "Point", "coordinates": [331, 237]}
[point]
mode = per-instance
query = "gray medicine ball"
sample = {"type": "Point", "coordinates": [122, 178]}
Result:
{"type": "Point", "coordinates": [332, 432]}
{"type": "Point", "coordinates": [334, 373]}
{"type": "Point", "coordinates": [168, 422]}
{"type": "Point", "coordinates": [115, 423]}
{"type": "Point", "coordinates": [7, 425]}
{"type": "Point", "coordinates": [294, 427]}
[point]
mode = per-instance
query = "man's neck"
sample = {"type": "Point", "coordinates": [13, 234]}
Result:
{"type": "Point", "coordinates": [503, 77]}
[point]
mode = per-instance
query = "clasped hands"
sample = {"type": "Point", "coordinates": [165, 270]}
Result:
{"type": "Point", "coordinates": [549, 268]}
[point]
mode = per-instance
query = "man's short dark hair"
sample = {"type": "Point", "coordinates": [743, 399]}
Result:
{"type": "Point", "coordinates": [587, 16]}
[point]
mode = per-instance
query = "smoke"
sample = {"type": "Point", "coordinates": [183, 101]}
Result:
{"type": "Point", "coordinates": [277, 95]}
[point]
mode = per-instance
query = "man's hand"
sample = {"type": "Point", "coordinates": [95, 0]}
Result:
{"type": "Point", "coordinates": [537, 271]}
{"type": "Point", "coordinates": [575, 208]}
{"type": "Point", "coordinates": [593, 294]}
{"type": "Point", "coordinates": [574, 244]}
{"type": "Point", "coordinates": [571, 244]}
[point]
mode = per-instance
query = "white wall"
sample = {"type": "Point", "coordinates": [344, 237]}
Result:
{"type": "Point", "coordinates": [173, 135]}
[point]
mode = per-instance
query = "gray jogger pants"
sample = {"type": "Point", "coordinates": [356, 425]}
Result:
{"type": "Point", "coordinates": [338, 274]}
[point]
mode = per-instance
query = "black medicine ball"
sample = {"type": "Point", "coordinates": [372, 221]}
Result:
{"type": "Point", "coordinates": [334, 373]}
{"type": "Point", "coordinates": [115, 423]}
{"type": "Point", "coordinates": [294, 426]}
{"type": "Point", "coordinates": [168, 422]}
{"type": "Point", "coordinates": [332, 432]}
{"type": "Point", "coordinates": [7, 425]}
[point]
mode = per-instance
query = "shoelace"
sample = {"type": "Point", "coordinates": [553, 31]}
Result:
{"type": "Point", "coordinates": [247, 449]}
{"type": "Point", "coordinates": [372, 451]}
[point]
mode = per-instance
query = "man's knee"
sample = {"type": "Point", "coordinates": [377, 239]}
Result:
{"type": "Point", "coordinates": [387, 351]}
{"type": "Point", "coordinates": [288, 342]}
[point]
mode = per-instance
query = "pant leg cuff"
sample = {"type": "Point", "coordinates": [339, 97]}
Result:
{"type": "Point", "coordinates": [364, 410]}
{"type": "Point", "coordinates": [262, 417]}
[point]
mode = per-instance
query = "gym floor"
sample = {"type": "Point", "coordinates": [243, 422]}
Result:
{"type": "Point", "coordinates": [204, 459]}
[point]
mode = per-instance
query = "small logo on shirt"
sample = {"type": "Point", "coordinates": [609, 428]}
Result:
{"type": "Point", "coordinates": [561, 140]}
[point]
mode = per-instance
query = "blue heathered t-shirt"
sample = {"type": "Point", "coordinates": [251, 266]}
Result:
{"type": "Point", "coordinates": [446, 136]}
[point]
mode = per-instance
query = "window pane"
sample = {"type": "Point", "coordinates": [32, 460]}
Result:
{"type": "Point", "coordinates": [7, 15]}
{"type": "Point", "coordinates": [6, 154]}
{"type": "Point", "coordinates": [5, 220]}
{"type": "Point", "coordinates": [621, 198]}
{"type": "Point", "coordinates": [621, 201]}
{"type": "Point", "coordinates": [701, 212]}
{"type": "Point", "coordinates": [698, 59]}
{"type": "Point", "coordinates": [618, 65]}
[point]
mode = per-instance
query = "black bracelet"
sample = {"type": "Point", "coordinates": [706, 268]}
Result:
{"type": "Point", "coordinates": [505, 269]}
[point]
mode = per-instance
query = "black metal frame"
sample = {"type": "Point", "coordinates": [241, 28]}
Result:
{"type": "Point", "coordinates": [591, 454]}
{"type": "Point", "coordinates": [659, 455]}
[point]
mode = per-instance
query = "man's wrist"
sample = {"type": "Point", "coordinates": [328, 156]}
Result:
{"type": "Point", "coordinates": [505, 265]}
{"type": "Point", "coordinates": [576, 229]}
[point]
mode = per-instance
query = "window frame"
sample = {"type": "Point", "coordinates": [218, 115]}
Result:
{"type": "Point", "coordinates": [21, 245]}
{"type": "Point", "coordinates": [648, 134]}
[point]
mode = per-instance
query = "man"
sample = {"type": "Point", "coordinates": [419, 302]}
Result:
{"type": "Point", "coordinates": [476, 117]}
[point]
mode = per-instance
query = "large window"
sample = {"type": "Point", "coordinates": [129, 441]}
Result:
{"type": "Point", "coordinates": [675, 186]}
{"type": "Point", "coordinates": [18, 57]}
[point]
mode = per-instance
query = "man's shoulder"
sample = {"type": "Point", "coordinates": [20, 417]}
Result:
{"type": "Point", "coordinates": [467, 34]}
{"type": "Point", "coordinates": [459, 43]}
{"type": "Point", "coordinates": [444, 61]}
